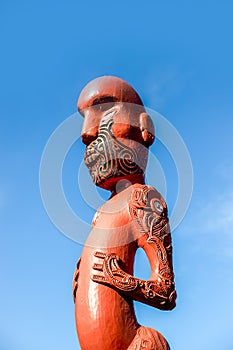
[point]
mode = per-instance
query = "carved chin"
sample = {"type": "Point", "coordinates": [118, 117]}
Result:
{"type": "Point", "coordinates": [100, 173]}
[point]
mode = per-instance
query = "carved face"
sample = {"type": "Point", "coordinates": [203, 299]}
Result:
{"type": "Point", "coordinates": [108, 158]}
{"type": "Point", "coordinates": [113, 133]}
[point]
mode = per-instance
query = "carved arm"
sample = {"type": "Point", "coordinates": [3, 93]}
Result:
{"type": "Point", "coordinates": [159, 293]}
{"type": "Point", "coordinates": [149, 213]}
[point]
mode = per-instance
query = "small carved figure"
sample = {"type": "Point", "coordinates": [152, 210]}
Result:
{"type": "Point", "coordinates": [117, 133]}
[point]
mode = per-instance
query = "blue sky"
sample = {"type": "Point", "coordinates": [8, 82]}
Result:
{"type": "Point", "coordinates": [178, 55]}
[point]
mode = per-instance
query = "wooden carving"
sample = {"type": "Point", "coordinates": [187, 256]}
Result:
{"type": "Point", "coordinates": [117, 132]}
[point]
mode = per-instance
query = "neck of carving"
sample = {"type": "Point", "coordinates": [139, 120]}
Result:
{"type": "Point", "coordinates": [122, 184]}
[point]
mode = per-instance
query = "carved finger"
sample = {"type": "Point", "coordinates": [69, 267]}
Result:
{"type": "Point", "coordinates": [98, 267]}
{"type": "Point", "coordinates": [78, 263]}
{"type": "Point", "coordinates": [74, 290]}
{"type": "Point", "coordinates": [100, 255]}
{"type": "Point", "coordinates": [76, 274]}
{"type": "Point", "coordinates": [75, 280]}
{"type": "Point", "coordinates": [99, 279]}
{"type": "Point", "coordinates": [75, 284]}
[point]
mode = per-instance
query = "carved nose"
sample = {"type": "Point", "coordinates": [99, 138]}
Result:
{"type": "Point", "coordinates": [90, 127]}
{"type": "Point", "coordinates": [88, 137]}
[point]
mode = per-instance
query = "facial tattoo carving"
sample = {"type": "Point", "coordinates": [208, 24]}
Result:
{"type": "Point", "coordinates": [107, 157]}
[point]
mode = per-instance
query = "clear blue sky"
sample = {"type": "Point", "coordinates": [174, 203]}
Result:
{"type": "Point", "coordinates": [178, 55]}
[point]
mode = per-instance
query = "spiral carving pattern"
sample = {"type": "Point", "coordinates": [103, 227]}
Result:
{"type": "Point", "coordinates": [108, 157]}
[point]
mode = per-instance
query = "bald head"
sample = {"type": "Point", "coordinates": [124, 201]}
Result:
{"type": "Point", "coordinates": [107, 89]}
{"type": "Point", "coordinates": [110, 96]}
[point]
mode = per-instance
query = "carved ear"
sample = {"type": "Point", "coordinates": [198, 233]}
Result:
{"type": "Point", "coordinates": [147, 129]}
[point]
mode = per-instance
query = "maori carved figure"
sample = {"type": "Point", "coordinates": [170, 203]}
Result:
{"type": "Point", "coordinates": [117, 133]}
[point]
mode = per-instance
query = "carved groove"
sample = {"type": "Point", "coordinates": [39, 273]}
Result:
{"type": "Point", "coordinates": [107, 157]}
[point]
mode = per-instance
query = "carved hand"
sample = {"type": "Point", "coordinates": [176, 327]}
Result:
{"type": "Point", "coordinates": [159, 293]}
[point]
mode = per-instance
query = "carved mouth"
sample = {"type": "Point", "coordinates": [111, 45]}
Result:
{"type": "Point", "coordinates": [92, 154]}
{"type": "Point", "coordinates": [91, 158]}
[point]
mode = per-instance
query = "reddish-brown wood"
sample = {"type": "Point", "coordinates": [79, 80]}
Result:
{"type": "Point", "coordinates": [117, 132]}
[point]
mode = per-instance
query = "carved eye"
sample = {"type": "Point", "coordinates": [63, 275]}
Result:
{"type": "Point", "coordinates": [158, 206]}
{"type": "Point", "coordinates": [103, 103]}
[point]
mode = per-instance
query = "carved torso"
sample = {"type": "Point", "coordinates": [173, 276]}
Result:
{"type": "Point", "coordinates": [118, 228]}
{"type": "Point", "coordinates": [108, 313]}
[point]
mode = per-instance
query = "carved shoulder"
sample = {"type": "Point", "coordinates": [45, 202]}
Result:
{"type": "Point", "coordinates": [148, 211]}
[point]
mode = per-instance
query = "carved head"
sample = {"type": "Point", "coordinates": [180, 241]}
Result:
{"type": "Point", "coordinates": [117, 131]}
